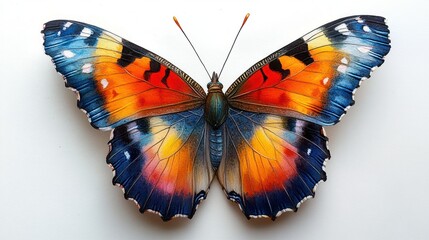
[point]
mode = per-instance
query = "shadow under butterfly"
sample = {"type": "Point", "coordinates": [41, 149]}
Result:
{"type": "Point", "coordinates": [263, 138]}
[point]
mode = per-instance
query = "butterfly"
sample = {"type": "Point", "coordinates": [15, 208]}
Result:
{"type": "Point", "coordinates": [263, 138]}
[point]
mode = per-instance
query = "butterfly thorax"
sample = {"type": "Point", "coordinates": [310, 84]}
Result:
{"type": "Point", "coordinates": [216, 108]}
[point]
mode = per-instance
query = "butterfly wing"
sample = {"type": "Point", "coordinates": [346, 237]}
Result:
{"type": "Point", "coordinates": [314, 77]}
{"type": "Point", "coordinates": [116, 80]}
{"type": "Point", "coordinates": [161, 162]}
{"type": "Point", "coordinates": [271, 163]}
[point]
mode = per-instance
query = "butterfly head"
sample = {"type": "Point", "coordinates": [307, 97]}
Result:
{"type": "Point", "coordinates": [214, 85]}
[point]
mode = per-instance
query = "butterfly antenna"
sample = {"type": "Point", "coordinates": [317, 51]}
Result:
{"type": "Point", "coordinates": [233, 43]}
{"type": "Point", "coordinates": [181, 29]}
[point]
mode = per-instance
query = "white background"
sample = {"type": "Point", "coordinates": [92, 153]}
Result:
{"type": "Point", "coordinates": [54, 183]}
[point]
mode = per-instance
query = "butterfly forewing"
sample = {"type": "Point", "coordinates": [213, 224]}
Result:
{"type": "Point", "coordinates": [116, 80]}
{"type": "Point", "coordinates": [314, 77]}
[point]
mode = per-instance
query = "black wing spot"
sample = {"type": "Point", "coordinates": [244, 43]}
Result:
{"type": "Point", "coordinates": [164, 79]}
{"type": "Point", "coordinates": [154, 67]}
{"type": "Point", "coordinates": [300, 51]}
{"type": "Point", "coordinates": [129, 53]}
{"type": "Point", "coordinates": [276, 65]}
{"type": "Point", "coordinates": [125, 134]}
{"type": "Point", "coordinates": [143, 125]}
{"type": "Point", "coordinates": [121, 133]}
{"type": "Point", "coordinates": [289, 124]}
{"type": "Point", "coordinates": [263, 75]}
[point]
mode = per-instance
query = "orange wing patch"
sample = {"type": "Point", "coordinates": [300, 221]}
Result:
{"type": "Point", "coordinates": [142, 88]}
{"type": "Point", "coordinates": [302, 88]}
{"type": "Point", "coordinates": [267, 160]}
{"type": "Point", "coordinates": [170, 159]}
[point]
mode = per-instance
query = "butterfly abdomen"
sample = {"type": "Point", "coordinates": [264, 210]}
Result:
{"type": "Point", "coordinates": [216, 108]}
{"type": "Point", "coordinates": [216, 139]}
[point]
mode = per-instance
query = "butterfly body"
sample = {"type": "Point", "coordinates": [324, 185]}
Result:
{"type": "Point", "coordinates": [216, 106]}
{"type": "Point", "coordinates": [263, 138]}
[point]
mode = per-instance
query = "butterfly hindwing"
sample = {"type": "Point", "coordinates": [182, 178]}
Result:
{"type": "Point", "coordinates": [116, 80]}
{"type": "Point", "coordinates": [161, 163]}
{"type": "Point", "coordinates": [314, 77]}
{"type": "Point", "coordinates": [271, 163]}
